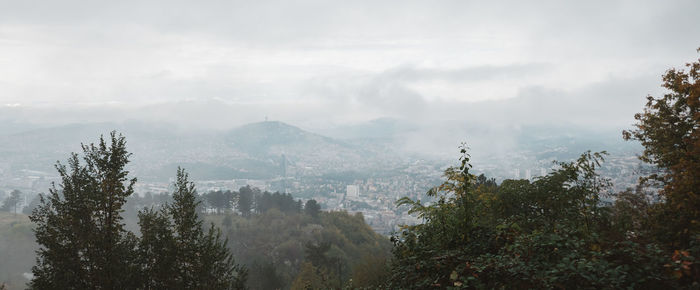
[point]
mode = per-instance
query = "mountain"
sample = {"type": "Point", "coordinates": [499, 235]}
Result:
{"type": "Point", "coordinates": [266, 138]}
{"type": "Point", "coordinates": [308, 153]}
{"type": "Point", "coordinates": [268, 150]}
{"type": "Point", "coordinates": [252, 151]}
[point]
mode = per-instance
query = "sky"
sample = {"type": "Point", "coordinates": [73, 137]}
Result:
{"type": "Point", "coordinates": [324, 63]}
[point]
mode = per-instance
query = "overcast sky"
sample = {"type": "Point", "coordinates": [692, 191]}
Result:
{"type": "Point", "coordinates": [329, 62]}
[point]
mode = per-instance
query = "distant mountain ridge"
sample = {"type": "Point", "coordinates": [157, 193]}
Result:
{"type": "Point", "coordinates": [264, 150]}
{"type": "Point", "coordinates": [250, 151]}
{"type": "Point", "coordinates": [261, 137]}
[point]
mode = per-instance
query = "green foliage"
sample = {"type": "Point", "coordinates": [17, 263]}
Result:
{"type": "Point", "coordinates": [282, 202]}
{"type": "Point", "coordinates": [311, 277]}
{"type": "Point", "coordinates": [551, 233]}
{"type": "Point", "coordinates": [187, 230]}
{"type": "Point", "coordinates": [245, 200]}
{"type": "Point", "coordinates": [176, 253]}
{"type": "Point", "coordinates": [218, 200]}
{"type": "Point", "coordinates": [83, 243]}
{"type": "Point", "coordinates": [265, 276]}
{"type": "Point", "coordinates": [218, 269]}
{"type": "Point", "coordinates": [371, 273]}
{"type": "Point", "coordinates": [312, 208]}
{"type": "Point", "coordinates": [669, 130]}
{"type": "Point", "coordinates": [278, 239]}
{"type": "Point", "coordinates": [157, 250]}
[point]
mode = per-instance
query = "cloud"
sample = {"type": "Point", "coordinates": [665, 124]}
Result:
{"type": "Point", "coordinates": [320, 63]}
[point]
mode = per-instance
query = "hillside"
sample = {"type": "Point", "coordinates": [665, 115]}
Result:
{"type": "Point", "coordinates": [270, 150]}
{"type": "Point", "coordinates": [274, 245]}
{"type": "Point", "coordinates": [250, 151]}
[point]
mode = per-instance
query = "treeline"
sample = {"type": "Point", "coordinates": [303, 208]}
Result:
{"type": "Point", "coordinates": [250, 200]}
{"type": "Point", "coordinates": [246, 201]}
{"type": "Point", "coordinates": [13, 203]}
{"type": "Point", "coordinates": [285, 243]}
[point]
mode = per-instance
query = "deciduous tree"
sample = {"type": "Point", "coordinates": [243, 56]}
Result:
{"type": "Point", "coordinates": [669, 130]}
{"type": "Point", "coordinates": [79, 229]}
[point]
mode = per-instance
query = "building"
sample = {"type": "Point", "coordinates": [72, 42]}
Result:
{"type": "Point", "coordinates": [352, 192]}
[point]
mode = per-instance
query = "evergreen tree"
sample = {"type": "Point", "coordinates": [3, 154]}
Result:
{"type": "Point", "coordinates": [312, 208]}
{"type": "Point", "coordinates": [79, 229]}
{"type": "Point", "coordinates": [218, 269]}
{"type": "Point", "coordinates": [245, 200]}
{"type": "Point", "coordinates": [187, 229]}
{"type": "Point", "coordinates": [201, 261]}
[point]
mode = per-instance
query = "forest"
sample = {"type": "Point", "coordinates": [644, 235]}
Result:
{"type": "Point", "coordinates": [566, 229]}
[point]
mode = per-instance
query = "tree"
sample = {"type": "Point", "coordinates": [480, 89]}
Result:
{"type": "Point", "coordinates": [264, 276]}
{"type": "Point", "coordinates": [11, 202]}
{"type": "Point", "coordinates": [553, 232]}
{"type": "Point", "coordinates": [219, 270]}
{"type": "Point", "coordinates": [371, 273]}
{"type": "Point", "coordinates": [310, 277]}
{"type": "Point", "coordinates": [312, 208]}
{"type": "Point", "coordinates": [219, 200]}
{"type": "Point", "coordinates": [157, 251]}
{"type": "Point", "coordinates": [202, 261]}
{"type": "Point", "coordinates": [83, 243]}
{"type": "Point", "coordinates": [245, 200]}
{"type": "Point", "coordinates": [79, 229]}
{"type": "Point", "coordinates": [669, 130]}
{"type": "Point", "coordinates": [187, 230]}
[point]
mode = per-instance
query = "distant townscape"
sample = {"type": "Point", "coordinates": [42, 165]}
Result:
{"type": "Point", "coordinates": [358, 173]}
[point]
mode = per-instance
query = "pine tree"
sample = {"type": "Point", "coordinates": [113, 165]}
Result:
{"type": "Point", "coordinates": [218, 268]}
{"type": "Point", "coordinates": [245, 200]}
{"type": "Point", "coordinates": [187, 230]}
{"type": "Point", "coordinates": [201, 261]}
{"type": "Point", "coordinates": [83, 243]}
{"type": "Point", "coordinates": [312, 208]}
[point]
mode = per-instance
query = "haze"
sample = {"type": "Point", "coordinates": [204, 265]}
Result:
{"type": "Point", "coordinates": [318, 64]}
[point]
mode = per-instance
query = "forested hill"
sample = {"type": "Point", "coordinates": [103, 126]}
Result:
{"type": "Point", "coordinates": [280, 240]}
{"type": "Point", "coordinates": [285, 242]}
{"type": "Point", "coordinates": [280, 248]}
